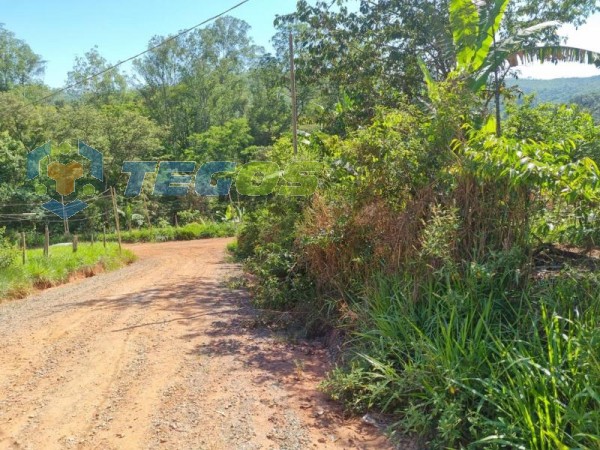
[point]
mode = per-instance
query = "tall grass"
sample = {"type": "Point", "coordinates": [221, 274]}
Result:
{"type": "Point", "coordinates": [18, 280]}
{"type": "Point", "coordinates": [472, 367]}
{"type": "Point", "coordinates": [185, 233]}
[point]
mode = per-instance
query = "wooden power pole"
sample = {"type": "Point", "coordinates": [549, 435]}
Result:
{"type": "Point", "coordinates": [294, 98]}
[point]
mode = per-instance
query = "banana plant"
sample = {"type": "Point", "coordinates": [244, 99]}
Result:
{"type": "Point", "coordinates": [481, 53]}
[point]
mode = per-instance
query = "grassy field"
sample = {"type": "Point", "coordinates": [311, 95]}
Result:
{"type": "Point", "coordinates": [19, 280]}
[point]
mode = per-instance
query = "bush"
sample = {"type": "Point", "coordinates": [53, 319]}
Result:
{"type": "Point", "coordinates": [420, 242]}
{"type": "Point", "coordinates": [189, 216]}
{"type": "Point", "coordinates": [232, 247]}
{"type": "Point", "coordinates": [8, 252]}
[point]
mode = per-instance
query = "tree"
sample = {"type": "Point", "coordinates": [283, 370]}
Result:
{"type": "Point", "coordinates": [221, 143]}
{"type": "Point", "coordinates": [269, 114]}
{"type": "Point", "coordinates": [481, 51]}
{"type": "Point", "coordinates": [367, 55]}
{"type": "Point", "coordinates": [118, 132]}
{"type": "Point", "coordinates": [523, 14]}
{"type": "Point", "coordinates": [14, 196]}
{"type": "Point", "coordinates": [19, 65]}
{"type": "Point", "coordinates": [11, 160]}
{"type": "Point", "coordinates": [372, 54]}
{"type": "Point", "coordinates": [194, 82]}
{"type": "Point", "coordinates": [98, 89]}
{"type": "Point", "coordinates": [30, 125]}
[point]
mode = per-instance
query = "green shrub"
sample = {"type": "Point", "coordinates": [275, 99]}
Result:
{"type": "Point", "coordinates": [470, 366]}
{"type": "Point", "coordinates": [186, 234]}
{"type": "Point", "coordinates": [8, 252]}
{"type": "Point", "coordinates": [232, 247]}
{"type": "Point", "coordinates": [189, 216]}
{"type": "Point", "coordinates": [420, 242]}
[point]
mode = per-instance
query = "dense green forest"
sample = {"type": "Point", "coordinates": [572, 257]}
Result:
{"type": "Point", "coordinates": [451, 247]}
{"type": "Point", "coordinates": [584, 92]}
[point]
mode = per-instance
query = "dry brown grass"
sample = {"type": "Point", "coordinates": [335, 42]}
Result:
{"type": "Point", "coordinates": [344, 243]}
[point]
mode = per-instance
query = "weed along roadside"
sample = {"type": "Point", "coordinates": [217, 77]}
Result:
{"type": "Point", "coordinates": [451, 254]}
{"type": "Point", "coordinates": [62, 264]}
{"type": "Point", "coordinates": [186, 232]}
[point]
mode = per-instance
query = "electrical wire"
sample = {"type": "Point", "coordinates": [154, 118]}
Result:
{"type": "Point", "coordinates": [40, 204]}
{"type": "Point", "coordinates": [44, 216]}
{"type": "Point", "coordinates": [35, 102]}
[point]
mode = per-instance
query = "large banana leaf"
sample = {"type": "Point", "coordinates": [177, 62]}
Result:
{"type": "Point", "coordinates": [506, 50]}
{"type": "Point", "coordinates": [464, 19]}
{"type": "Point", "coordinates": [489, 26]}
{"type": "Point", "coordinates": [518, 57]}
{"type": "Point", "coordinates": [473, 30]}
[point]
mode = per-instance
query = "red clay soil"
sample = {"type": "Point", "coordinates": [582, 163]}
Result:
{"type": "Point", "coordinates": [162, 355]}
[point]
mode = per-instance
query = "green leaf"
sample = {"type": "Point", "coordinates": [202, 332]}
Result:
{"type": "Point", "coordinates": [464, 19]}
{"type": "Point", "coordinates": [487, 32]}
{"type": "Point", "coordinates": [432, 88]}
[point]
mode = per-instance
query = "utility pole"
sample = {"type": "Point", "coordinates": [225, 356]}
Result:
{"type": "Point", "coordinates": [294, 98]}
{"type": "Point", "coordinates": [497, 89]}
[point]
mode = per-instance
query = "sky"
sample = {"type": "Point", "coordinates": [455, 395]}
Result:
{"type": "Point", "coordinates": [60, 30]}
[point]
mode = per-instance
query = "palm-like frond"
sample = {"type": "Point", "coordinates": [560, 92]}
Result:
{"type": "Point", "coordinates": [554, 54]}
{"type": "Point", "coordinates": [474, 31]}
{"type": "Point", "coordinates": [511, 50]}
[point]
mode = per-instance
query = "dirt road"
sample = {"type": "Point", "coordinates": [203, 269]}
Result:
{"type": "Point", "coordinates": [161, 355]}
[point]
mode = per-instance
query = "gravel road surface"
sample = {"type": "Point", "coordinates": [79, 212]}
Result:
{"type": "Point", "coordinates": [162, 355]}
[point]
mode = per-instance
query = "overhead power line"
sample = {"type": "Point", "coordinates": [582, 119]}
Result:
{"type": "Point", "coordinates": [33, 205]}
{"type": "Point", "coordinates": [169, 39]}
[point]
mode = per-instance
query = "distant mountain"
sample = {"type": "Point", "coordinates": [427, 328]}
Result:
{"type": "Point", "coordinates": [583, 91]}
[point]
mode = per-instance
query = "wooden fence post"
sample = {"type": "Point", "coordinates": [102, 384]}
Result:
{"type": "Point", "coordinates": [46, 242]}
{"type": "Point", "coordinates": [118, 228]}
{"type": "Point", "coordinates": [24, 247]}
{"type": "Point", "coordinates": [75, 243]}
{"type": "Point", "coordinates": [104, 235]}
{"type": "Point", "coordinates": [147, 213]}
